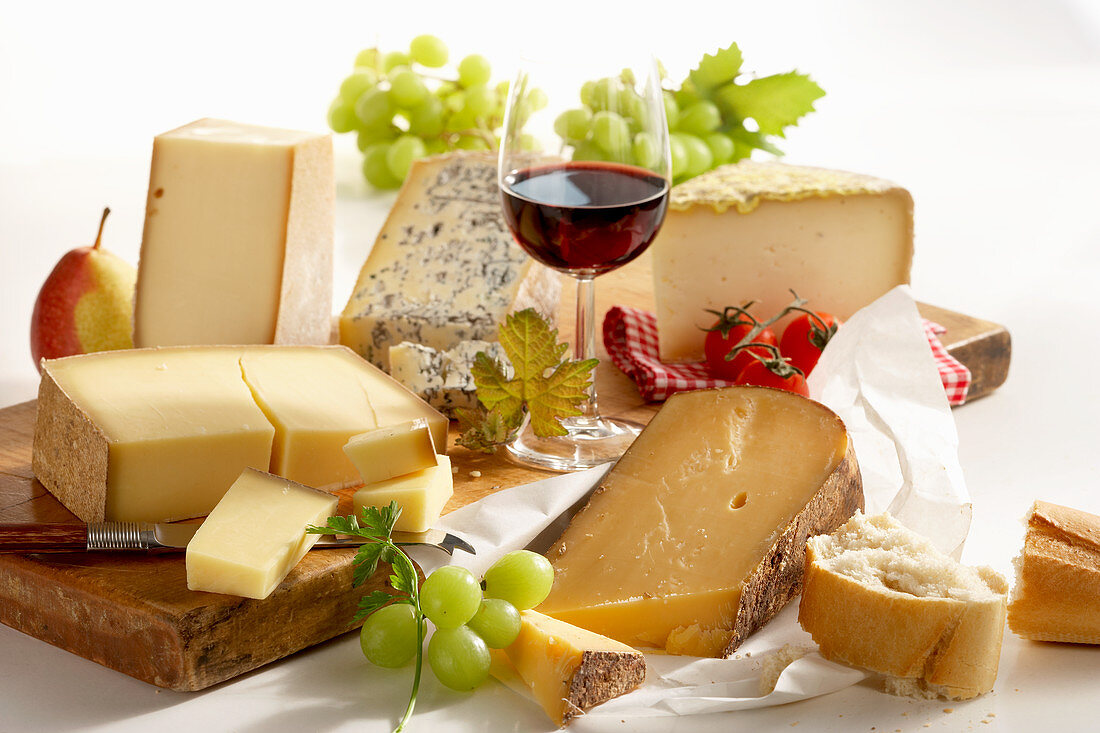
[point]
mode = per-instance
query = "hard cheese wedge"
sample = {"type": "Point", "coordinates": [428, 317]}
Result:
{"type": "Point", "coordinates": [238, 237]}
{"type": "Point", "coordinates": [754, 231]}
{"type": "Point", "coordinates": [316, 399]}
{"type": "Point", "coordinates": [384, 453]}
{"type": "Point", "coordinates": [255, 535]}
{"type": "Point", "coordinates": [157, 434]}
{"type": "Point", "coordinates": [696, 538]}
{"type": "Point", "coordinates": [421, 495]}
{"type": "Point", "coordinates": [444, 268]}
{"type": "Point", "coordinates": [568, 669]}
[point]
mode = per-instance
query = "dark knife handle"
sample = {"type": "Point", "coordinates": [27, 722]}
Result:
{"type": "Point", "coordinates": [43, 537]}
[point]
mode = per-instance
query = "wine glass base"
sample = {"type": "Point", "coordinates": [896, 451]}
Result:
{"type": "Point", "coordinates": [589, 442]}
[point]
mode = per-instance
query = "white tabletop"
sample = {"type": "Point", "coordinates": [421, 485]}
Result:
{"type": "Point", "coordinates": [988, 112]}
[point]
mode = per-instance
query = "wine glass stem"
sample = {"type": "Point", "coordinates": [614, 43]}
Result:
{"type": "Point", "coordinates": [584, 345]}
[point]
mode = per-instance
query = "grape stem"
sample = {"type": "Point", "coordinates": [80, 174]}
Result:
{"type": "Point", "coordinates": [414, 596]}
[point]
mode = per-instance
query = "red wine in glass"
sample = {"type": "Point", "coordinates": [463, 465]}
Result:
{"type": "Point", "coordinates": [584, 216]}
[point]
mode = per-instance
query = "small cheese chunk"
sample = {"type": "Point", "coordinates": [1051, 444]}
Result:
{"type": "Point", "coordinates": [441, 378]}
{"type": "Point", "coordinates": [568, 669]}
{"type": "Point", "coordinates": [422, 495]}
{"type": "Point", "coordinates": [444, 268]}
{"type": "Point", "coordinates": [695, 538]}
{"type": "Point", "coordinates": [255, 535]}
{"type": "Point", "coordinates": [395, 450]}
{"type": "Point", "coordinates": [238, 237]}
{"type": "Point", "coordinates": [755, 231]}
{"type": "Point", "coordinates": [316, 399]}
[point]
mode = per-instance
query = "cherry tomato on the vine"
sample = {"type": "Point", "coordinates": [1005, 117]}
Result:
{"type": "Point", "coordinates": [805, 337]}
{"type": "Point", "coordinates": [759, 374]}
{"type": "Point", "coordinates": [726, 333]}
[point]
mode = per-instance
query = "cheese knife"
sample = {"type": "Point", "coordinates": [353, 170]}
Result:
{"type": "Point", "coordinates": [168, 537]}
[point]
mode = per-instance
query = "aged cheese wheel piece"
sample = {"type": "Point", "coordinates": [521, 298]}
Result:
{"type": "Point", "coordinates": [695, 539]}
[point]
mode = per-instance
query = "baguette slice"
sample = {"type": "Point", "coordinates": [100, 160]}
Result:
{"type": "Point", "coordinates": [1057, 591]}
{"type": "Point", "coordinates": [879, 596]}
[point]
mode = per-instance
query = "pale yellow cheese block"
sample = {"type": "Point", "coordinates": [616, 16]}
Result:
{"type": "Point", "coordinates": [566, 668]}
{"type": "Point", "coordinates": [390, 451]}
{"type": "Point", "coordinates": [755, 231]}
{"type": "Point", "coordinates": [238, 237]}
{"type": "Point", "coordinates": [255, 535]}
{"type": "Point", "coordinates": [695, 538]}
{"type": "Point", "coordinates": [421, 495]}
{"type": "Point", "coordinates": [160, 434]}
{"type": "Point", "coordinates": [316, 399]}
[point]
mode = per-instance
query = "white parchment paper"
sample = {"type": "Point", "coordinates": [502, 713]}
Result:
{"type": "Point", "coordinates": [877, 374]}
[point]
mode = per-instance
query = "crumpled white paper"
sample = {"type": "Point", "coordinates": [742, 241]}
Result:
{"type": "Point", "coordinates": [877, 374]}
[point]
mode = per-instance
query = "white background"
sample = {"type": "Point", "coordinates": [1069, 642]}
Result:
{"type": "Point", "coordinates": [989, 112]}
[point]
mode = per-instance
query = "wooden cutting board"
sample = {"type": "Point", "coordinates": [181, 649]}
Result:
{"type": "Point", "coordinates": [133, 613]}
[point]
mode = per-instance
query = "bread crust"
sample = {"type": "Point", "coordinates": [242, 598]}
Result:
{"type": "Point", "coordinates": [602, 676]}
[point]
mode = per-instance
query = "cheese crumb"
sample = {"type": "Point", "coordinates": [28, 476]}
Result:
{"type": "Point", "coordinates": [475, 474]}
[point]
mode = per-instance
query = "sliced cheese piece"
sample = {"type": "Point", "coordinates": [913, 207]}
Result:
{"type": "Point", "coordinates": [442, 378]}
{"type": "Point", "coordinates": [255, 535]}
{"type": "Point", "coordinates": [421, 495]}
{"type": "Point", "coordinates": [238, 237]}
{"type": "Point", "coordinates": [568, 669]}
{"type": "Point", "coordinates": [146, 435]}
{"type": "Point", "coordinates": [755, 231]}
{"type": "Point", "coordinates": [316, 399]}
{"type": "Point", "coordinates": [444, 268]}
{"type": "Point", "coordinates": [1057, 592]}
{"type": "Point", "coordinates": [395, 450]}
{"type": "Point", "coordinates": [695, 538]}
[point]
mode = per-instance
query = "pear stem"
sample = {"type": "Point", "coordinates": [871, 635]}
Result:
{"type": "Point", "coordinates": [99, 234]}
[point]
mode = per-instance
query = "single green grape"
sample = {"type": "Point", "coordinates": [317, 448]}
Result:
{"type": "Point", "coordinates": [645, 150]}
{"type": "Point", "coordinates": [537, 99]}
{"type": "Point", "coordinates": [368, 58]}
{"type": "Point", "coordinates": [474, 70]}
{"type": "Point", "coordinates": [497, 622]}
{"type": "Point", "coordinates": [686, 95]}
{"type": "Point", "coordinates": [374, 108]}
{"type": "Point", "coordinates": [573, 124]}
{"type": "Point", "coordinates": [388, 637]}
{"type": "Point", "coordinates": [587, 91]}
{"type": "Point", "coordinates": [502, 89]}
{"type": "Point", "coordinates": [406, 88]}
{"type": "Point", "coordinates": [699, 157]}
{"type": "Point", "coordinates": [428, 51]}
{"type": "Point", "coordinates": [679, 156]}
{"type": "Point", "coordinates": [700, 118]}
{"type": "Point", "coordinates": [480, 100]}
{"type": "Point", "coordinates": [459, 657]}
{"type": "Point", "coordinates": [529, 143]}
{"type": "Point", "coordinates": [403, 151]}
{"type": "Point", "coordinates": [588, 150]}
{"type": "Point", "coordinates": [393, 59]}
{"type": "Point", "coordinates": [721, 147]}
{"type": "Point", "coordinates": [450, 596]}
{"type": "Point", "coordinates": [426, 118]}
{"type": "Point", "coordinates": [471, 142]}
{"type": "Point", "coordinates": [375, 168]}
{"type": "Point", "coordinates": [523, 578]}
{"type": "Point", "coordinates": [672, 110]}
{"type": "Point", "coordinates": [435, 146]}
{"type": "Point", "coordinates": [455, 102]}
{"type": "Point", "coordinates": [356, 83]}
{"type": "Point", "coordinates": [611, 132]}
{"type": "Point", "coordinates": [341, 116]}
{"type": "Point", "coordinates": [633, 106]}
{"type": "Point", "coordinates": [607, 95]}
{"type": "Point", "coordinates": [367, 136]}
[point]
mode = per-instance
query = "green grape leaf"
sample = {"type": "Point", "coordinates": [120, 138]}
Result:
{"type": "Point", "coordinates": [717, 69]}
{"type": "Point", "coordinates": [744, 142]}
{"type": "Point", "coordinates": [495, 389]}
{"type": "Point", "coordinates": [775, 102]}
{"type": "Point", "coordinates": [557, 396]}
{"type": "Point", "coordinates": [482, 430]}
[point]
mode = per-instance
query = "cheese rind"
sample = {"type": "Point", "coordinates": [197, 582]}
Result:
{"type": "Point", "coordinates": [390, 451]}
{"type": "Point", "coordinates": [442, 378]}
{"type": "Point", "coordinates": [255, 535]}
{"type": "Point", "coordinates": [237, 247]}
{"type": "Point", "coordinates": [755, 231]}
{"type": "Point", "coordinates": [422, 495]}
{"type": "Point", "coordinates": [694, 540]}
{"type": "Point", "coordinates": [444, 268]}
{"type": "Point", "coordinates": [566, 668]}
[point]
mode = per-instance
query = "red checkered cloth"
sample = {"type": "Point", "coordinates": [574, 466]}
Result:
{"type": "Point", "coordinates": [630, 337]}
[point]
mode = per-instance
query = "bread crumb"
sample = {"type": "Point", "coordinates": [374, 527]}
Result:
{"type": "Point", "coordinates": [991, 715]}
{"type": "Point", "coordinates": [475, 474]}
{"type": "Point", "coordinates": [454, 469]}
{"type": "Point", "coordinates": [949, 710]}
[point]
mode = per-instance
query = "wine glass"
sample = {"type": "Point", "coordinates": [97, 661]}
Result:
{"type": "Point", "coordinates": [584, 177]}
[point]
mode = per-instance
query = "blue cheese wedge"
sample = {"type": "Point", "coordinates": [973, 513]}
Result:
{"type": "Point", "coordinates": [444, 268]}
{"type": "Point", "coordinates": [441, 378]}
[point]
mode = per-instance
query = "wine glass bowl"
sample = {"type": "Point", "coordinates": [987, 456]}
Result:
{"type": "Point", "coordinates": [592, 205]}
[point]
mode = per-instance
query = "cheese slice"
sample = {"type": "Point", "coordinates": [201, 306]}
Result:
{"type": "Point", "coordinates": [444, 268]}
{"type": "Point", "coordinates": [443, 379]}
{"type": "Point", "coordinates": [421, 495]}
{"type": "Point", "coordinates": [255, 535]}
{"type": "Point", "coordinates": [568, 669]}
{"type": "Point", "coordinates": [316, 399]}
{"type": "Point", "coordinates": [160, 434]}
{"type": "Point", "coordinates": [238, 237]}
{"type": "Point", "coordinates": [395, 450]}
{"type": "Point", "coordinates": [696, 537]}
{"type": "Point", "coordinates": [146, 435]}
{"type": "Point", "coordinates": [755, 231]}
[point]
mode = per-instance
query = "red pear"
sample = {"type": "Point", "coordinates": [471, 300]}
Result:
{"type": "Point", "coordinates": [85, 305]}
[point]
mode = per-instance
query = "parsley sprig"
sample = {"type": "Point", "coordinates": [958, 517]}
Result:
{"type": "Point", "coordinates": [376, 527]}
